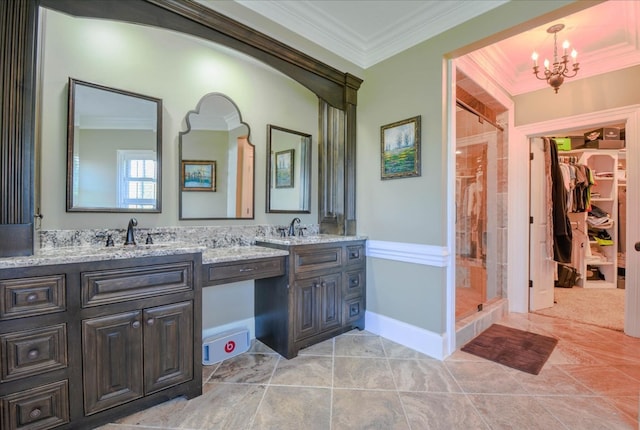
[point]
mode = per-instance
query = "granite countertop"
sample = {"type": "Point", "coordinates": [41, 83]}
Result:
{"type": "Point", "coordinates": [311, 239]}
{"type": "Point", "coordinates": [236, 253]}
{"type": "Point", "coordinates": [79, 254]}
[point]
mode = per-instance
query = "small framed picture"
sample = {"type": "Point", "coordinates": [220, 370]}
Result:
{"type": "Point", "coordinates": [284, 169]}
{"type": "Point", "coordinates": [196, 175]}
{"type": "Point", "coordinates": [400, 149]}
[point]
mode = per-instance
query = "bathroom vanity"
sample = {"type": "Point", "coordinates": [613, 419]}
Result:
{"type": "Point", "coordinates": [84, 343]}
{"type": "Point", "coordinates": [321, 295]}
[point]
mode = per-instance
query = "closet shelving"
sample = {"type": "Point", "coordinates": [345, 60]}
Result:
{"type": "Point", "coordinates": [597, 261]}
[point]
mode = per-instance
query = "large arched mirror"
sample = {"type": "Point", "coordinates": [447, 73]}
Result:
{"type": "Point", "coordinates": [288, 171]}
{"type": "Point", "coordinates": [216, 162]}
{"type": "Point", "coordinates": [114, 143]}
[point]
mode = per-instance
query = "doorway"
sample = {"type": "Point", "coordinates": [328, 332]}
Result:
{"type": "Point", "coordinates": [588, 285]}
{"type": "Point", "coordinates": [629, 116]}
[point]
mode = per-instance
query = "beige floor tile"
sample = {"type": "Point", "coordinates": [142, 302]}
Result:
{"type": "Point", "coordinates": [586, 413]}
{"type": "Point", "coordinates": [604, 380]}
{"type": "Point", "coordinates": [367, 409]}
{"type": "Point", "coordinates": [422, 375]}
{"type": "Point", "coordinates": [395, 350]}
{"type": "Point", "coordinates": [294, 408]}
{"type": "Point", "coordinates": [323, 348]}
{"type": "Point", "coordinates": [246, 368]}
{"type": "Point", "coordinates": [314, 371]}
{"type": "Point", "coordinates": [200, 413]}
{"type": "Point", "coordinates": [164, 415]}
{"type": "Point", "coordinates": [514, 412]}
{"type": "Point", "coordinates": [484, 377]}
{"type": "Point", "coordinates": [358, 346]}
{"type": "Point", "coordinates": [551, 380]}
{"type": "Point", "coordinates": [363, 373]}
{"type": "Point", "coordinates": [441, 411]}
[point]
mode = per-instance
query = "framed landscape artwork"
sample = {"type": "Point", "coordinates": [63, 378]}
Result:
{"type": "Point", "coordinates": [198, 175]}
{"type": "Point", "coordinates": [400, 149]}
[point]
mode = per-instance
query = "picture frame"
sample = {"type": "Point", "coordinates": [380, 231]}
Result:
{"type": "Point", "coordinates": [400, 149]}
{"type": "Point", "coordinates": [198, 175]}
{"type": "Point", "coordinates": [284, 168]}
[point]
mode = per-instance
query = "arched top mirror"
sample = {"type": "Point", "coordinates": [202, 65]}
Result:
{"type": "Point", "coordinates": [114, 145]}
{"type": "Point", "coordinates": [288, 171]}
{"type": "Point", "coordinates": [216, 162]}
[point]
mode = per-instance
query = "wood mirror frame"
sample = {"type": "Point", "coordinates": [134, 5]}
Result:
{"type": "Point", "coordinates": [118, 131]}
{"type": "Point", "coordinates": [336, 90]}
{"type": "Point", "coordinates": [293, 195]}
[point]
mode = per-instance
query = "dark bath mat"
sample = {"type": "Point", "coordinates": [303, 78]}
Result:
{"type": "Point", "coordinates": [511, 347]}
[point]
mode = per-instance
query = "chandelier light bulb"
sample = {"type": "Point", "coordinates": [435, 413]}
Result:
{"type": "Point", "coordinates": [534, 57]}
{"type": "Point", "coordinates": [565, 46]}
{"type": "Point", "coordinates": [546, 64]}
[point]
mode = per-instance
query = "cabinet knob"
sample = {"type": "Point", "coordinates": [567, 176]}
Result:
{"type": "Point", "coordinates": [32, 297]}
{"type": "Point", "coordinates": [355, 254]}
{"type": "Point", "coordinates": [35, 413]}
{"type": "Point", "coordinates": [323, 284]}
{"type": "Point", "coordinates": [151, 321]}
{"type": "Point", "coordinates": [33, 354]}
{"type": "Point", "coordinates": [135, 324]}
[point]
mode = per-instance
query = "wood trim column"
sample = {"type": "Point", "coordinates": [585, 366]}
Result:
{"type": "Point", "coordinates": [18, 30]}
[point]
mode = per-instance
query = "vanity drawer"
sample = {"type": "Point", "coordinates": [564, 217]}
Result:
{"type": "Point", "coordinates": [354, 283]}
{"type": "Point", "coordinates": [355, 254]}
{"type": "Point", "coordinates": [40, 408]}
{"type": "Point", "coordinates": [118, 285]}
{"type": "Point", "coordinates": [31, 352]}
{"type": "Point", "coordinates": [32, 296]}
{"type": "Point", "coordinates": [353, 309]}
{"type": "Point", "coordinates": [220, 273]}
{"type": "Point", "coordinates": [306, 260]}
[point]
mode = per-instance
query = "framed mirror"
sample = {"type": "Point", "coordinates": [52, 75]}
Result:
{"type": "Point", "coordinates": [114, 146]}
{"type": "Point", "coordinates": [217, 162]}
{"type": "Point", "coordinates": [288, 171]}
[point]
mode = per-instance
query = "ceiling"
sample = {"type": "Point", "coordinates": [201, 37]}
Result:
{"type": "Point", "coordinates": [366, 32]}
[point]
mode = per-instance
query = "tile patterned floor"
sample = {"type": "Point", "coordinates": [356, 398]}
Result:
{"type": "Point", "coordinates": [362, 381]}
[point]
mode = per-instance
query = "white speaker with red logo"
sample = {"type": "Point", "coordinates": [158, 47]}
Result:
{"type": "Point", "coordinates": [225, 345]}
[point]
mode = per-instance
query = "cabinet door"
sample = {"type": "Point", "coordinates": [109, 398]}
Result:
{"type": "Point", "coordinates": [168, 340]}
{"type": "Point", "coordinates": [306, 312]}
{"type": "Point", "coordinates": [112, 360]}
{"type": "Point", "coordinates": [330, 301]}
{"type": "Point", "coordinates": [318, 305]}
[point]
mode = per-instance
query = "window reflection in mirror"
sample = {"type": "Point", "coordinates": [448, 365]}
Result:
{"type": "Point", "coordinates": [288, 171]}
{"type": "Point", "coordinates": [216, 136]}
{"type": "Point", "coordinates": [114, 141]}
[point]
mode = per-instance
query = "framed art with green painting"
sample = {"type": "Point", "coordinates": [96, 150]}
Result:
{"type": "Point", "coordinates": [400, 149]}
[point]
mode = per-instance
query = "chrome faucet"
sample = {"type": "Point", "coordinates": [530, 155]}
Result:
{"type": "Point", "coordinates": [292, 230]}
{"type": "Point", "coordinates": [131, 237]}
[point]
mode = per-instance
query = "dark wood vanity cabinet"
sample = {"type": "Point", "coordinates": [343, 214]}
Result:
{"type": "Point", "coordinates": [84, 344]}
{"type": "Point", "coordinates": [321, 295]}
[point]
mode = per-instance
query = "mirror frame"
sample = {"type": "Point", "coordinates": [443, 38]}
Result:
{"type": "Point", "coordinates": [70, 148]}
{"type": "Point", "coordinates": [307, 161]}
{"type": "Point", "coordinates": [181, 134]}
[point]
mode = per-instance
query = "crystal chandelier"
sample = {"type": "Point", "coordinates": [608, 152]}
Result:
{"type": "Point", "coordinates": [560, 68]}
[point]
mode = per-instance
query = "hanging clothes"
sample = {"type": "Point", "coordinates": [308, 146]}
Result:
{"type": "Point", "coordinates": [562, 235]}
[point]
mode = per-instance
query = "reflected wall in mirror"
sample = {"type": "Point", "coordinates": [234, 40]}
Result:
{"type": "Point", "coordinates": [114, 144]}
{"type": "Point", "coordinates": [215, 133]}
{"type": "Point", "coordinates": [288, 171]}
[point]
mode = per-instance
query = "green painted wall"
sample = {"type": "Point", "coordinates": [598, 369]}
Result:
{"type": "Point", "coordinates": [413, 210]}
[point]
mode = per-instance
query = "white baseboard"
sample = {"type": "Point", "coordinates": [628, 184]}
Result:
{"type": "Point", "coordinates": [249, 323]}
{"type": "Point", "coordinates": [421, 340]}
